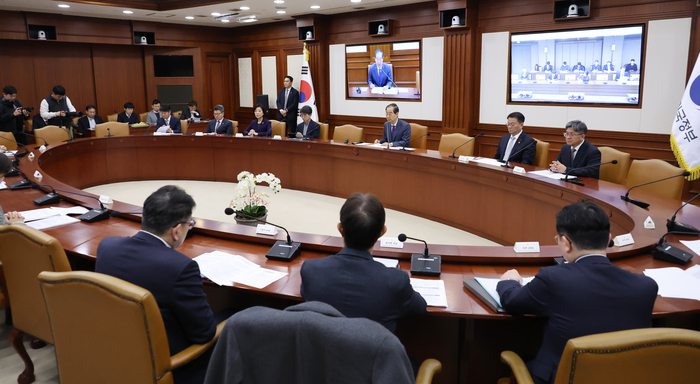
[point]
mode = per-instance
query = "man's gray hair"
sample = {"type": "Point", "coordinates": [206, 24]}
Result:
{"type": "Point", "coordinates": [219, 108]}
{"type": "Point", "coordinates": [578, 126]}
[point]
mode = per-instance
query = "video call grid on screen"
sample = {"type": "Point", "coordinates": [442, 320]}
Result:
{"type": "Point", "coordinates": [584, 66]}
{"type": "Point", "coordinates": [386, 71]}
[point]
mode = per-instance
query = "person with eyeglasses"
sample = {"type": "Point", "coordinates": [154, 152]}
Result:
{"type": "Point", "coordinates": [577, 153]}
{"type": "Point", "coordinates": [149, 259]}
{"type": "Point", "coordinates": [585, 296]}
{"type": "Point", "coordinates": [514, 141]}
{"type": "Point", "coordinates": [220, 125]}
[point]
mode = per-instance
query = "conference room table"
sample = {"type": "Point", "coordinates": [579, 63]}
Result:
{"type": "Point", "coordinates": [489, 201]}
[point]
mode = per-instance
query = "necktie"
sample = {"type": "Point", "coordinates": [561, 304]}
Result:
{"type": "Point", "coordinates": [157, 115]}
{"type": "Point", "coordinates": [286, 96]}
{"type": "Point", "coordinates": [509, 148]}
{"type": "Point", "coordinates": [393, 131]}
{"type": "Point", "coordinates": [573, 155]}
{"type": "Point", "coordinates": [218, 123]}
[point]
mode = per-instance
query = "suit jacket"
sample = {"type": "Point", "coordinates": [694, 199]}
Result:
{"type": "Point", "coordinates": [133, 119]}
{"type": "Point", "coordinates": [380, 79]}
{"type": "Point", "coordinates": [225, 128]}
{"type": "Point", "coordinates": [630, 67]}
{"type": "Point", "coordinates": [587, 154]}
{"type": "Point", "coordinates": [401, 138]}
{"type": "Point", "coordinates": [152, 117]}
{"type": "Point", "coordinates": [84, 124]}
{"type": "Point", "coordinates": [38, 122]}
{"type": "Point", "coordinates": [186, 114]}
{"type": "Point", "coordinates": [579, 68]}
{"type": "Point", "coordinates": [174, 124]}
{"type": "Point", "coordinates": [312, 132]}
{"type": "Point", "coordinates": [564, 67]}
{"type": "Point", "coordinates": [547, 67]}
{"type": "Point", "coordinates": [357, 286]}
{"type": "Point", "coordinates": [301, 336]}
{"type": "Point", "coordinates": [583, 298]}
{"type": "Point", "coordinates": [175, 282]}
{"type": "Point", "coordinates": [595, 67]}
{"type": "Point", "coordinates": [608, 67]}
{"type": "Point", "coordinates": [527, 156]}
{"type": "Point", "coordinates": [292, 107]}
{"type": "Point", "coordinates": [264, 129]}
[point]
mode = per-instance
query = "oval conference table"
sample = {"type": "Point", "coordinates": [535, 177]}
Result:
{"type": "Point", "coordinates": [489, 201]}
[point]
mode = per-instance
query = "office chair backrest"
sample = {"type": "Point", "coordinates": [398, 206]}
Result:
{"type": "Point", "coordinates": [8, 144]}
{"type": "Point", "coordinates": [112, 117]}
{"type": "Point", "coordinates": [278, 128]}
{"type": "Point", "coordinates": [52, 134]}
{"type": "Point", "coordinates": [347, 132]}
{"type": "Point", "coordinates": [115, 129]}
{"type": "Point", "coordinates": [323, 134]}
{"type": "Point", "coordinates": [541, 154]}
{"type": "Point", "coordinates": [614, 173]}
{"type": "Point", "coordinates": [418, 130]}
{"type": "Point", "coordinates": [642, 171]}
{"type": "Point", "coordinates": [450, 141]}
{"type": "Point", "coordinates": [142, 117]}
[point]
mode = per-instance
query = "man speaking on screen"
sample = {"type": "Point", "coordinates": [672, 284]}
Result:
{"type": "Point", "coordinates": [379, 74]}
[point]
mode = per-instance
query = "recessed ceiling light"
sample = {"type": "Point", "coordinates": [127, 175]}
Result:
{"type": "Point", "coordinates": [281, 12]}
{"type": "Point", "coordinates": [225, 21]}
{"type": "Point", "coordinates": [215, 14]}
{"type": "Point", "coordinates": [355, 1]}
{"type": "Point", "coordinates": [128, 12]}
{"type": "Point", "coordinates": [279, 1]}
{"type": "Point", "coordinates": [244, 8]}
{"type": "Point", "coordinates": [315, 6]}
{"type": "Point", "coordinates": [64, 6]}
{"type": "Point", "coordinates": [189, 17]}
{"type": "Point", "coordinates": [247, 20]}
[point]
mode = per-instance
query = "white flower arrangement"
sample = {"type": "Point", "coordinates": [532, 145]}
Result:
{"type": "Point", "coordinates": [250, 201]}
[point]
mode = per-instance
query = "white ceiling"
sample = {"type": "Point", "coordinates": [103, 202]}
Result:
{"type": "Point", "coordinates": [264, 10]}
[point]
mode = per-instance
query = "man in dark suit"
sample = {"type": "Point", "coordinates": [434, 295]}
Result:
{"type": "Point", "coordinates": [608, 67]}
{"type": "Point", "coordinates": [191, 112]}
{"type": "Point", "coordinates": [149, 260]}
{"type": "Point", "coordinates": [586, 296]}
{"type": "Point", "coordinates": [288, 104]}
{"type": "Point", "coordinates": [397, 133]}
{"type": "Point", "coordinates": [564, 67]}
{"type": "Point", "coordinates": [167, 122]}
{"type": "Point", "coordinates": [90, 119]}
{"type": "Point", "coordinates": [596, 66]}
{"type": "Point", "coordinates": [547, 67]}
{"type": "Point", "coordinates": [220, 125]}
{"type": "Point", "coordinates": [579, 67]}
{"type": "Point", "coordinates": [351, 281]}
{"type": "Point", "coordinates": [12, 114]}
{"type": "Point", "coordinates": [379, 75]}
{"type": "Point", "coordinates": [307, 128]}
{"type": "Point", "coordinates": [577, 152]}
{"type": "Point", "coordinates": [510, 147]}
{"type": "Point", "coordinates": [128, 116]}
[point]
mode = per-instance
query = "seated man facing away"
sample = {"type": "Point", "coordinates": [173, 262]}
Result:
{"type": "Point", "coordinates": [351, 281]}
{"type": "Point", "coordinates": [149, 259]}
{"type": "Point", "coordinates": [128, 116]}
{"type": "Point", "coordinates": [577, 154]}
{"type": "Point", "coordinates": [588, 295]}
{"type": "Point", "coordinates": [307, 128]}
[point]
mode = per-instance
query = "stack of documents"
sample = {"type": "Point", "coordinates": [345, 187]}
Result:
{"type": "Point", "coordinates": [46, 218]}
{"type": "Point", "coordinates": [489, 285]}
{"type": "Point", "coordinates": [433, 291]}
{"type": "Point", "coordinates": [486, 160]}
{"type": "Point", "coordinates": [677, 283]}
{"type": "Point", "coordinates": [225, 269]}
{"type": "Point", "coordinates": [389, 263]}
{"type": "Point", "coordinates": [550, 174]}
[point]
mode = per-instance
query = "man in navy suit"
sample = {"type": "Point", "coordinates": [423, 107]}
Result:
{"type": "Point", "coordinates": [128, 116]}
{"type": "Point", "coordinates": [379, 75]}
{"type": "Point", "coordinates": [547, 67]}
{"type": "Point", "coordinates": [596, 66]}
{"type": "Point", "coordinates": [167, 122]}
{"type": "Point", "coordinates": [608, 67]}
{"type": "Point", "coordinates": [510, 147]}
{"type": "Point", "coordinates": [288, 104]}
{"type": "Point", "coordinates": [397, 133]}
{"type": "Point", "coordinates": [89, 121]}
{"type": "Point", "coordinates": [220, 125]}
{"type": "Point", "coordinates": [564, 67]}
{"type": "Point", "coordinates": [577, 152]}
{"type": "Point", "coordinates": [586, 296]}
{"type": "Point", "coordinates": [351, 281]}
{"type": "Point", "coordinates": [149, 260]}
{"type": "Point", "coordinates": [579, 67]}
{"type": "Point", "coordinates": [307, 128]}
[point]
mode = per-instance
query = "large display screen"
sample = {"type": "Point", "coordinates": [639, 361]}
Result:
{"type": "Point", "coordinates": [383, 71]}
{"type": "Point", "coordinates": [582, 66]}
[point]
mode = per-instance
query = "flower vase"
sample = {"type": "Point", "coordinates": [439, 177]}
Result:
{"type": "Point", "coordinates": [251, 222]}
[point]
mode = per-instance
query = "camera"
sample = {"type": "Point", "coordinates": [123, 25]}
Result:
{"type": "Point", "coordinates": [74, 114]}
{"type": "Point", "coordinates": [28, 109]}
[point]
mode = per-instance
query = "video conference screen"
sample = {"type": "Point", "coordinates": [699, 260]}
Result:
{"type": "Point", "coordinates": [383, 71]}
{"type": "Point", "coordinates": [173, 66]}
{"type": "Point", "coordinates": [582, 66]}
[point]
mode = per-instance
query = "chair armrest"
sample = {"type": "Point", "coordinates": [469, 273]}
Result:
{"type": "Point", "coordinates": [195, 350]}
{"type": "Point", "coordinates": [427, 370]}
{"type": "Point", "coordinates": [517, 366]}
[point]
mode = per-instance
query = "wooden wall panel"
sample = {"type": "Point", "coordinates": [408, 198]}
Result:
{"type": "Point", "coordinates": [12, 25]}
{"type": "Point", "coordinates": [152, 82]}
{"type": "Point", "coordinates": [119, 77]}
{"type": "Point", "coordinates": [218, 80]}
{"type": "Point", "coordinates": [17, 70]}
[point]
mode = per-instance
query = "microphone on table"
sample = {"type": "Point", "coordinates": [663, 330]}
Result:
{"type": "Point", "coordinates": [575, 180]}
{"type": "Point", "coordinates": [673, 226]}
{"type": "Point", "coordinates": [389, 77]}
{"type": "Point", "coordinates": [403, 148]}
{"type": "Point", "coordinates": [23, 184]}
{"type": "Point", "coordinates": [282, 250]}
{"type": "Point", "coordinates": [35, 136]}
{"type": "Point", "coordinates": [117, 213]}
{"type": "Point", "coordinates": [15, 171]}
{"type": "Point", "coordinates": [640, 203]}
{"type": "Point", "coordinates": [89, 217]}
{"type": "Point", "coordinates": [506, 165]}
{"type": "Point", "coordinates": [666, 252]}
{"type": "Point", "coordinates": [452, 156]}
{"type": "Point", "coordinates": [423, 264]}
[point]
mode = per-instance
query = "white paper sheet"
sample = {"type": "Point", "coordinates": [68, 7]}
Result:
{"type": "Point", "coordinates": [389, 263]}
{"type": "Point", "coordinates": [489, 284]}
{"type": "Point", "coordinates": [77, 210]}
{"type": "Point", "coordinates": [402, 148]}
{"type": "Point", "coordinates": [549, 174]}
{"type": "Point", "coordinates": [694, 271]}
{"type": "Point", "coordinates": [485, 160]}
{"type": "Point", "coordinates": [38, 214]}
{"type": "Point", "coordinates": [225, 269]}
{"type": "Point", "coordinates": [693, 245]}
{"type": "Point", "coordinates": [675, 282]}
{"type": "Point", "coordinates": [53, 221]}
{"type": "Point", "coordinates": [3, 185]}
{"type": "Point", "coordinates": [433, 291]}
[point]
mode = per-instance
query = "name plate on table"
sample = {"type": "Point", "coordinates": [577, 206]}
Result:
{"type": "Point", "coordinates": [239, 134]}
{"type": "Point", "coordinates": [519, 170]}
{"type": "Point", "coordinates": [199, 133]}
{"type": "Point", "coordinates": [104, 199]}
{"type": "Point", "coordinates": [266, 229]}
{"type": "Point", "coordinates": [527, 247]}
{"type": "Point", "coordinates": [390, 242]}
{"type": "Point", "coordinates": [277, 137]}
{"type": "Point", "coordinates": [464, 159]}
{"type": "Point", "coordinates": [649, 223]}
{"type": "Point", "coordinates": [622, 240]}
{"type": "Point", "coordinates": [38, 176]}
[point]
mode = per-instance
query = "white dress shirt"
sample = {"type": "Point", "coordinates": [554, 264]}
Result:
{"type": "Point", "coordinates": [44, 108]}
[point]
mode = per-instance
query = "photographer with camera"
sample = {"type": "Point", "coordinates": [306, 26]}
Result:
{"type": "Point", "coordinates": [56, 106]}
{"type": "Point", "coordinates": [12, 114]}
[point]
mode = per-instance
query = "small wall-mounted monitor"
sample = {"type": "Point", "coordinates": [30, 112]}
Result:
{"type": "Point", "coordinates": [173, 66]}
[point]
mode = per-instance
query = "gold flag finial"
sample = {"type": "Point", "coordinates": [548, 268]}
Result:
{"type": "Point", "coordinates": [306, 53]}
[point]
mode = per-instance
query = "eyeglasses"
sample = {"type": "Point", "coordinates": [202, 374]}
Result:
{"type": "Point", "coordinates": [571, 134]}
{"type": "Point", "coordinates": [190, 223]}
